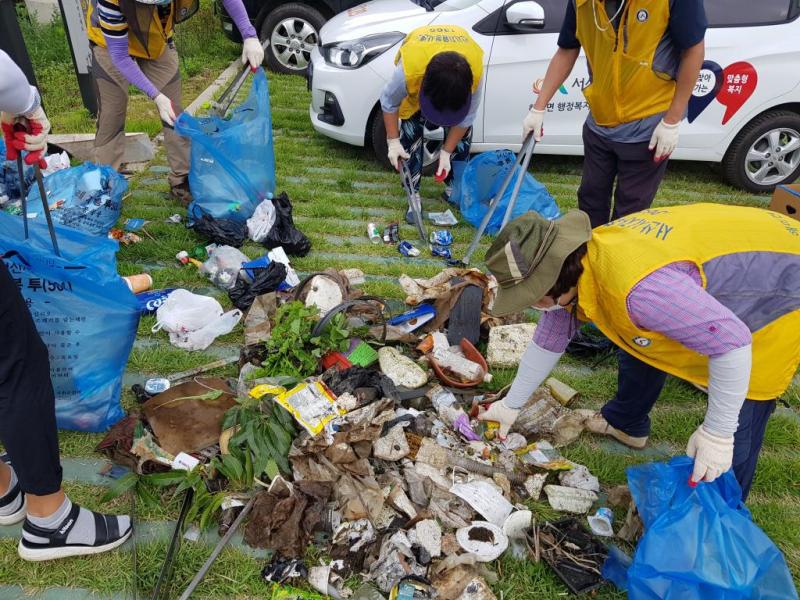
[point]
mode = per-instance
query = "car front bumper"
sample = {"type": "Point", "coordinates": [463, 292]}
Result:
{"type": "Point", "coordinates": [341, 100]}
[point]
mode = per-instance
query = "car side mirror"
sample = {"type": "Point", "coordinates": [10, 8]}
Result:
{"type": "Point", "coordinates": [525, 16]}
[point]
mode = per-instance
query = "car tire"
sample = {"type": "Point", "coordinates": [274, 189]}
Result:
{"type": "Point", "coordinates": [377, 131]}
{"type": "Point", "coordinates": [758, 158]}
{"type": "Point", "coordinates": [293, 31]}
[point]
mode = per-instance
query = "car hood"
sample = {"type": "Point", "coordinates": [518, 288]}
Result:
{"type": "Point", "coordinates": [378, 16]}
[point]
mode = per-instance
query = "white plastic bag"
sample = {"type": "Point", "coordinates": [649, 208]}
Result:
{"type": "Point", "coordinates": [260, 224]}
{"type": "Point", "coordinates": [223, 266]}
{"type": "Point", "coordinates": [193, 321]}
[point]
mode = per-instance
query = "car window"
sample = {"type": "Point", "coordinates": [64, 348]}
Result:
{"type": "Point", "coordinates": [494, 24]}
{"type": "Point", "coordinates": [741, 13]}
{"type": "Point", "coordinates": [450, 5]}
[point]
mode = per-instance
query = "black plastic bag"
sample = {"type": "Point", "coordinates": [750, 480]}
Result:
{"type": "Point", "coordinates": [267, 280]}
{"type": "Point", "coordinates": [224, 232]}
{"type": "Point", "coordinates": [283, 232]}
{"type": "Point", "coordinates": [367, 385]}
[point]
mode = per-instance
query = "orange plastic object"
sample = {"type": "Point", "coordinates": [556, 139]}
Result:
{"type": "Point", "coordinates": [471, 353]}
{"type": "Point", "coordinates": [426, 345]}
{"type": "Point", "coordinates": [336, 359]}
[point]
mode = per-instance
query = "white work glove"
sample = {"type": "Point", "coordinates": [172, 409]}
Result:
{"type": "Point", "coordinates": [712, 455]}
{"type": "Point", "coordinates": [533, 121]}
{"type": "Point", "coordinates": [443, 170]}
{"type": "Point", "coordinates": [252, 52]}
{"type": "Point", "coordinates": [502, 414]}
{"type": "Point", "coordinates": [165, 109]}
{"type": "Point", "coordinates": [664, 140]}
{"type": "Point", "coordinates": [396, 152]}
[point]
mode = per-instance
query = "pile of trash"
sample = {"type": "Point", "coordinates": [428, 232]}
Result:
{"type": "Point", "coordinates": [356, 431]}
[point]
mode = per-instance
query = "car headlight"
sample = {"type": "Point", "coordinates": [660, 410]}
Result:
{"type": "Point", "coordinates": [352, 54]}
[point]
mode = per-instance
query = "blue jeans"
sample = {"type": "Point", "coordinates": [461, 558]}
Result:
{"type": "Point", "coordinates": [411, 136]}
{"type": "Point", "coordinates": [638, 388]}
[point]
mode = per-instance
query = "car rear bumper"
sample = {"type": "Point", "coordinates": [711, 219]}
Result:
{"type": "Point", "coordinates": [341, 100]}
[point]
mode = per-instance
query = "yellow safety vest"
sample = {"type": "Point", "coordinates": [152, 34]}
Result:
{"type": "Point", "coordinates": [623, 252]}
{"type": "Point", "coordinates": [148, 34]}
{"type": "Point", "coordinates": [624, 87]}
{"type": "Point", "coordinates": [421, 45]}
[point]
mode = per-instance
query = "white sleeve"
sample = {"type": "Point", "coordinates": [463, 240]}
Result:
{"type": "Point", "coordinates": [534, 367]}
{"type": "Point", "coordinates": [16, 95]}
{"type": "Point", "coordinates": [728, 381]}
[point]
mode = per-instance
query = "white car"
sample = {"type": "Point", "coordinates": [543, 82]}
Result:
{"type": "Point", "coordinates": [744, 113]}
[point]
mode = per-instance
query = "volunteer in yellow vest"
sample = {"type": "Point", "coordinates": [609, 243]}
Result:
{"type": "Point", "coordinates": [707, 293]}
{"type": "Point", "coordinates": [438, 81]}
{"type": "Point", "coordinates": [644, 57]}
{"type": "Point", "coordinates": [132, 45]}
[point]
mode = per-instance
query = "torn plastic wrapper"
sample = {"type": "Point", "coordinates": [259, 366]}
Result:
{"type": "Point", "coordinates": [326, 581]}
{"type": "Point", "coordinates": [542, 454]}
{"type": "Point", "coordinates": [312, 405]}
{"type": "Point", "coordinates": [257, 326]}
{"type": "Point", "coordinates": [355, 534]}
{"type": "Point", "coordinates": [281, 570]}
{"type": "Point", "coordinates": [395, 562]}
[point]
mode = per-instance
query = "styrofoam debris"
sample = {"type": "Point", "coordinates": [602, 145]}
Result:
{"type": "Point", "coordinates": [400, 369]}
{"type": "Point", "coordinates": [507, 344]}
{"type": "Point", "coordinates": [428, 534]}
{"type": "Point", "coordinates": [567, 499]}
{"type": "Point", "coordinates": [393, 446]}
{"type": "Point", "coordinates": [579, 477]}
{"type": "Point", "coordinates": [534, 485]}
{"type": "Point", "coordinates": [483, 539]}
{"type": "Point", "coordinates": [324, 293]}
{"type": "Point", "coordinates": [477, 589]}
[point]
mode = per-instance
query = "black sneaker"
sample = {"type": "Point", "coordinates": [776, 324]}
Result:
{"type": "Point", "coordinates": [15, 494]}
{"type": "Point", "coordinates": [39, 544]}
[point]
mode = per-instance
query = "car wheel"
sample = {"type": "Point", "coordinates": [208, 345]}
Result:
{"type": "Point", "coordinates": [292, 31]}
{"type": "Point", "coordinates": [434, 138]}
{"type": "Point", "coordinates": [766, 152]}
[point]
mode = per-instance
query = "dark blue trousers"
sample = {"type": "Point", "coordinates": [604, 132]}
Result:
{"type": "Point", "coordinates": [638, 388]}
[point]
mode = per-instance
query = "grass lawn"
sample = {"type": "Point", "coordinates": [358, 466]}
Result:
{"type": "Point", "coordinates": [336, 190]}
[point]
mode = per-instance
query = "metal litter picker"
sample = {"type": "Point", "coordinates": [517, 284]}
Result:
{"type": "Point", "coordinates": [45, 205]}
{"type": "Point", "coordinates": [414, 202]}
{"type": "Point", "coordinates": [520, 166]}
{"type": "Point", "coordinates": [220, 107]}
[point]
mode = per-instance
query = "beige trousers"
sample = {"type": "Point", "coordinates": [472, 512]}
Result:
{"type": "Point", "coordinates": [112, 99]}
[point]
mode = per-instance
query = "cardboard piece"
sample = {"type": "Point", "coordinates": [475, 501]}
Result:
{"type": "Point", "coordinates": [786, 200]}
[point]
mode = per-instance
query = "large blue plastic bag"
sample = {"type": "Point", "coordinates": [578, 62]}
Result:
{"type": "Point", "coordinates": [87, 197]}
{"type": "Point", "coordinates": [699, 543]}
{"type": "Point", "coordinates": [233, 160]}
{"type": "Point", "coordinates": [481, 180]}
{"type": "Point", "coordinates": [84, 312]}
{"type": "Point", "coordinates": [9, 176]}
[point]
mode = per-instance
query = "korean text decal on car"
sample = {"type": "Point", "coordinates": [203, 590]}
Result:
{"type": "Point", "coordinates": [732, 87]}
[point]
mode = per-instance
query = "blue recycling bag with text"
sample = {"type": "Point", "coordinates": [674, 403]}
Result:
{"type": "Point", "coordinates": [233, 160]}
{"type": "Point", "coordinates": [699, 543]}
{"type": "Point", "coordinates": [84, 312]}
{"type": "Point", "coordinates": [480, 181]}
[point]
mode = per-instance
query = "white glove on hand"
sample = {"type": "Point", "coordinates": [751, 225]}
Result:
{"type": "Point", "coordinates": [533, 121]}
{"type": "Point", "coordinates": [252, 52]}
{"type": "Point", "coordinates": [664, 140]}
{"type": "Point", "coordinates": [502, 414]}
{"type": "Point", "coordinates": [396, 152]}
{"type": "Point", "coordinates": [712, 455]}
{"type": "Point", "coordinates": [443, 170]}
{"type": "Point", "coordinates": [165, 109]}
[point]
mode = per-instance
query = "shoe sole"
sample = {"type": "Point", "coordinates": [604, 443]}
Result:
{"type": "Point", "coordinates": [31, 555]}
{"type": "Point", "coordinates": [16, 517]}
{"type": "Point", "coordinates": [612, 433]}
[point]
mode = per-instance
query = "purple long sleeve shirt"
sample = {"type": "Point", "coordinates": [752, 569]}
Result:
{"type": "Point", "coordinates": [112, 23]}
{"type": "Point", "coordinates": [671, 301]}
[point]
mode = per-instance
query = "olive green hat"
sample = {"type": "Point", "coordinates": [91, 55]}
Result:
{"type": "Point", "coordinates": [526, 258]}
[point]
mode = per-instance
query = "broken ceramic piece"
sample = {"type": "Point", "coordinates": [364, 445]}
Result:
{"type": "Point", "coordinates": [507, 344]}
{"type": "Point", "coordinates": [400, 369]}
{"type": "Point", "coordinates": [483, 539]}
{"type": "Point", "coordinates": [567, 499]}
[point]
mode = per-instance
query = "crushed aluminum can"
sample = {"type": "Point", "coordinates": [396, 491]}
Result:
{"type": "Point", "coordinates": [441, 237]}
{"type": "Point", "coordinates": [406, 248]}
{"type": "Point", "coordinates": [441, 251]}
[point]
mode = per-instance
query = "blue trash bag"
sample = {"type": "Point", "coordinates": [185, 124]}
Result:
{"type": "Point", "coordinates": [233, 160]}
{"type": "Point", "coordinates": [87, 197]}
{"type": "Point", "coordinates": [481, 181]}
{"type": "Point", "coordinates": [698, 544]}
{"type": "Point", "coordinates": [84, 312]}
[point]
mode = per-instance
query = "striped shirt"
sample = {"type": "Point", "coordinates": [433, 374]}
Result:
{"type": "Point", "coordinates": [670, 301]}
